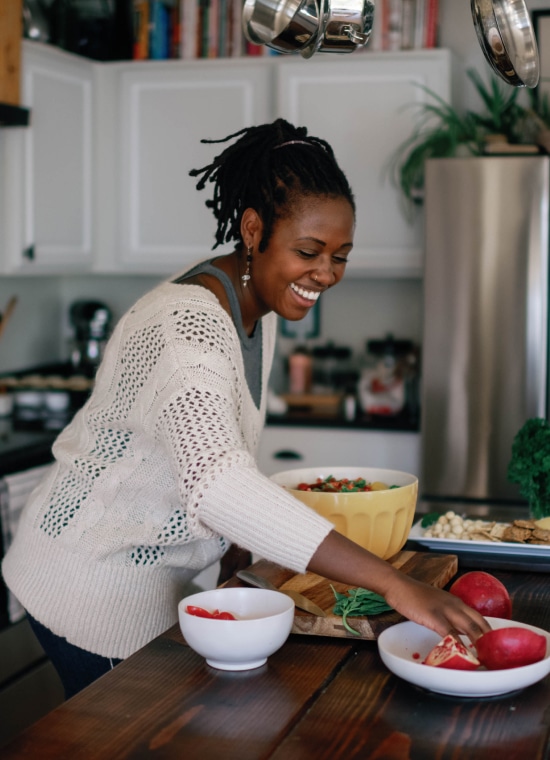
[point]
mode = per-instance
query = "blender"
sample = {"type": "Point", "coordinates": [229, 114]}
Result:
{"type": "Point", "coordinates": [91, 321]}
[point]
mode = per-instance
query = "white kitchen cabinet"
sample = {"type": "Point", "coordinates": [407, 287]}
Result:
{"type": "Point", "coordinates": [46, 169]}
{"type": "Point", "coordinates": [364, 106]}
{"type": "Point", "coordinates": [165, 110]}
{"type": "Point", "coordinates": [100, 180]}
{"type": "Point", "coordinates": [284, 447]}
{"type": "Point", "coordinates": [361, 104]}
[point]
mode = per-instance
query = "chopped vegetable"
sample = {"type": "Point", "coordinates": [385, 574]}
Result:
{"type": "Point", "coordinates": [331, 485]}
{"type": "Point", "coordinates": [215, 615]}
{"type": "Point", "coordinates": [358, 602]}
{"type": "Point", "coordinates": [530, 465]}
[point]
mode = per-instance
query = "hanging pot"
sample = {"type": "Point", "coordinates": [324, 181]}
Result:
{"type": "Point", "coordinates": [506, 36]}
{"type": "Point", "coordinates": [344, 25]}
{"type": "Point", "coordinates": [284, 25]}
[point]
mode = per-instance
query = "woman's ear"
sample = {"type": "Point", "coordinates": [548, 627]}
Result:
{"type": "Point", "coordinates": [251, 228]}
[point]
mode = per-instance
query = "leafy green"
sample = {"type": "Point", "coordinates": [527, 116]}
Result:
{"type": "Point", "coordinates": [443, 132]}
{"type": "Point", "coordinates": [430, 519]}
{"type": "Point", "coordinates": [358, 602]}
{"type": "Point", "coordinates": [529, 466]}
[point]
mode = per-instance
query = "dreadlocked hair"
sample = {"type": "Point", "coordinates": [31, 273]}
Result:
{"type": "Point", "coordinates": [269, 168]}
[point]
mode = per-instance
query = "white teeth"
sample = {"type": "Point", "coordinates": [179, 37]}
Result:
{"type": "Point", "coordinates": [311, 295]}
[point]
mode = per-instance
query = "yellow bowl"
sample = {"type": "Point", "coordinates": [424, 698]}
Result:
{"type": "Point", "coordinates": [379, 521]}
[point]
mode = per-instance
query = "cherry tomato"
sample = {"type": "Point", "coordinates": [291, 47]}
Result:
{"type": "Point", "coordinates": [199, 611]}
{"type": "Point", "coordinates": [224, 616]}
{"type": "Point", "coordinates": [215, 615]}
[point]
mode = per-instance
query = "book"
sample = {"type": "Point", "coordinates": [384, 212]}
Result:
{"type": "Point", "coordinates": [189, 15]}
{"type": "Point", "coordinates": [419, 24]}
{"type": "Point", "coordinates": [159, 31]}
{"type": "Point", "coordinates": [432, 21]}
{"type": "Point", "coordinates": [141, 30]}
{"type": "Point", "coordinates": [237, 34]}
{"type": "Point", "coordinates": [408, 12]}
{"type": "Point", "coordinates": [395, 25]}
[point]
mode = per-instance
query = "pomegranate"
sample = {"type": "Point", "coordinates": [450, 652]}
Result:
{"type": "Point", "coordinates": [484, 593]}
{"type": "Point", "coordinates": [453, 654]}
{"type": "Point", "coordinates": [512, 647]}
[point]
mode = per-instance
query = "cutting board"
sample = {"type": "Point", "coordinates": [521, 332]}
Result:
{"type": "Point", "coordinates": [434, 569]}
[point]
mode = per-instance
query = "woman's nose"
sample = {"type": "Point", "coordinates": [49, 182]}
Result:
{"type": "Point", "coordinates": [323, 274]}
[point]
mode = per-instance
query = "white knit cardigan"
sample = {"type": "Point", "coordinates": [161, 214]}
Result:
{"type": "Point", "coordinates": [153, 479]}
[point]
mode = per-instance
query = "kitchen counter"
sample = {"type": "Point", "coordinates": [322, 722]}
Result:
{"type": "Point", "coordinates": [304, 418]}
{"type": "Point", "coordinates": [316, 697]}
{"type": "Point", "coordinates": [22, 449]}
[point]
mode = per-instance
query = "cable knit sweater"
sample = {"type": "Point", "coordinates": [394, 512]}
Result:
{"type": "Point", "coordinates": [153, 478]}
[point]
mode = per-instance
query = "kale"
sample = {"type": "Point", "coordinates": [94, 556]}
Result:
{"type": "Point", "coordinates": [530, 465]}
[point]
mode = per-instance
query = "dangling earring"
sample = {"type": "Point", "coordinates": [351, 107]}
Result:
{"type": "Point", "coordinates": [246, 276]}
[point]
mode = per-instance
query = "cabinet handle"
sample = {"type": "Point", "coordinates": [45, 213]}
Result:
{"type": "Point", "coordinates": [28, 253]}
{"type": "Point", "coordinates": [287, 454]}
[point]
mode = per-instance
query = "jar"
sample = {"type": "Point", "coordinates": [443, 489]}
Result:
{"type": "Point", "coordinates": [299, 370]}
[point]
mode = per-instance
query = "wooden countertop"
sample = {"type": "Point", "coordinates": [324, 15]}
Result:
{"type": "Point", "coordinates": [316, 697]}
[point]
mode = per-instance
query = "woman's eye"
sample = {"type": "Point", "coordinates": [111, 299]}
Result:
{"type": "Point", "coordinates": [341, 259]}
{"type": "Point", "coordinates": [307, 254]}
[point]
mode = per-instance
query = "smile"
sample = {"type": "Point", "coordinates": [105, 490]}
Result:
{"type": "Point", "coordinates": [311, 295]}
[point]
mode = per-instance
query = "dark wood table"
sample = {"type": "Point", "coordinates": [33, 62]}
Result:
{"type": "Point", "coordinates": [315, 698]}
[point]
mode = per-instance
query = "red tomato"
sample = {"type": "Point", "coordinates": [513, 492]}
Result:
{"type": "Point", "coordinates": [224, 616]}
{"type": "Point", "coordinates": [199, 611]}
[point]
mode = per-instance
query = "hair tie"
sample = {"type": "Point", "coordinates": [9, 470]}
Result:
{"type": "Point", "coordinates": [293, 142]}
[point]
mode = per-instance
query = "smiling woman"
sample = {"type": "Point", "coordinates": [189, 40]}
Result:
{"type": "Point", "coordinates": [155, 478]}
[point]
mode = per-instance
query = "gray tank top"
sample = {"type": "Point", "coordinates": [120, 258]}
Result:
{"type": "Point", "coordinates": [251, 345]}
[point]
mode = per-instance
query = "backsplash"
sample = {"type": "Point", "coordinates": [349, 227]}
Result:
{"type": "Point", "coordinates": [39, 331]}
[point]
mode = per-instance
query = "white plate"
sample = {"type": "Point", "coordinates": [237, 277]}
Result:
{"type": "Point", "coordinates": [399, 644]}
{"type": "Point", "coordinates": [486, 547]}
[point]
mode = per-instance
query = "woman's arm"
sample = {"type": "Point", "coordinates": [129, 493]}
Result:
{"type": "Point", "coordinates": [342, 560]}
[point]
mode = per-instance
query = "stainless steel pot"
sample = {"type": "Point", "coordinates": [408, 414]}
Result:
{"type": "Point", "coordinates": [506, 36]}
{"type": "Point", "coordinates": [344, 25]}
{"type": "Point", "coordinates": [284, 25]}
{"type": "Point", "coordinates": [308, 26]}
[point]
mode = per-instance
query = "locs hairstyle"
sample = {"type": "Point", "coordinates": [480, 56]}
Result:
{"type": "Point", "coordinates": [269, 168]}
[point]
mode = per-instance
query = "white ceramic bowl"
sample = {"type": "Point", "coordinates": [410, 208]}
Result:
{"type": "Point", "coordinates": [264, 620]}
{"type": "Point", "coordinates": [379, 521]}
{"type": "Point", "coordinates": [404, 646]}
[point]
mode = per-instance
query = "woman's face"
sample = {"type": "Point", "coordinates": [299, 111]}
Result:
{"type": "Point", "coordinates": [306, 255]}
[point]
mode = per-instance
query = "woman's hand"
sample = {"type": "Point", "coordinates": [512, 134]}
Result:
{"type": "Point", "coordinates": [434, 608]}
{"type": "Point", "coordinates": [340, 559]}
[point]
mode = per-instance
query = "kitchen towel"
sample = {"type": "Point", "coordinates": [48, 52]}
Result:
{"type": "Point", "coordinates": [14, 492]}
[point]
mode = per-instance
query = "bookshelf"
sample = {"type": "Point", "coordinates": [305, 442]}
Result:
{"type": "Point", "coordinates": [191, 29]}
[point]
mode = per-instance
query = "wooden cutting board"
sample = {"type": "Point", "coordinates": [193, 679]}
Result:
{"type": "Point", "coordinates": [434, 569]}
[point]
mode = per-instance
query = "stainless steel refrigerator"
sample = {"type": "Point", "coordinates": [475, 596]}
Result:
{"type": "Point", "coordinates": [485, 342]}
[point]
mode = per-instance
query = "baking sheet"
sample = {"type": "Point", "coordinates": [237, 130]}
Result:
{"type": "Point", "coordinates": [454, 546]}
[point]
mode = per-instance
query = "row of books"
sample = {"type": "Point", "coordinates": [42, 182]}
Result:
{"type": "Point", "coordinates": [405, 25]}
{"type": "Point", "coordinates": [191, 29]}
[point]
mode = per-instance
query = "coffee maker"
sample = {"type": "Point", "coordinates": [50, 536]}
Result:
{"type": "Point", "coordinates": [91, 321]}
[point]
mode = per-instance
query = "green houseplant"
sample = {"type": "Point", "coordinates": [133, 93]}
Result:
{"type": "Point", "coordinates": [442, 132]}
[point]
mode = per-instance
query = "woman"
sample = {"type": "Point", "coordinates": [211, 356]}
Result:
{"type": "Point", "coordinates": [155, 477]}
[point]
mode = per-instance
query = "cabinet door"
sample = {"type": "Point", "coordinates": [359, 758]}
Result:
{"type": "Point", "coordinates": [365, 107]}
{"type": "Point", "coordinates": [47, 184]}
{"type": "Point", "coordinates": [288, 448]}
{"type": "Point", "coordinates": [166, 111]}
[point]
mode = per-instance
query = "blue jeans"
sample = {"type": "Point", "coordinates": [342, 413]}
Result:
{"type": "Point", "coordinates": [76, 667]}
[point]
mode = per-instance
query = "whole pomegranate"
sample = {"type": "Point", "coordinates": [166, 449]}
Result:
{"type": "Point", "coordinates": [510, 648]}
{"type": "Point", "coordinates": [484, 593]}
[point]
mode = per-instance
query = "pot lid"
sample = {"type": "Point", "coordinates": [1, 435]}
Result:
{"type": "Point", "coordinates": [507, 39]}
